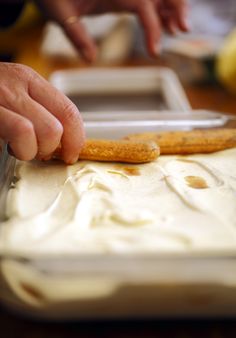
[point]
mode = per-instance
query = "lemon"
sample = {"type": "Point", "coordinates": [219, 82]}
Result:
{"type": "Point", "coordinates": [226, 63]}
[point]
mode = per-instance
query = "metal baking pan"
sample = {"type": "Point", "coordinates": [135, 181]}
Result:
{"type": "Point", "coordinates": [122, 89]}
{"type": "Point", "coordinates": [117, 286]}
{"type": "Point", "coordinates": [117, 124]}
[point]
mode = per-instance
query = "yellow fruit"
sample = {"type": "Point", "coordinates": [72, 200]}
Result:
{"type": "Point", "coordinates": [226, 63]}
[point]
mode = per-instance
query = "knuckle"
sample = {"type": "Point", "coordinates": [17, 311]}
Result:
{"type": "Point", "coordinates": [14, 85]}
{"type": "Point", "coordinates": [70, 113]}
{"type": "Point", "coordinates": [15, 100]}
{"type": "Point", "coordinates": [23, 128]}
{"type": "Point", "coordinates": [53, 132]}
{"type": "Point", "coordinates": [7, 95]}
{"type": "Point", "coordinates": [23, 71]}
{"type": "Point", "coordinates": [23, 134]}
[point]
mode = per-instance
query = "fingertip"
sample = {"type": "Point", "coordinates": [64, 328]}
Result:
{"type": "Point", "coordinates": [172, 27]}
{"type": "Point", "coordinates": [89, 54]}
{"type": "Point", "coordinates": [72, 160]}
{"type": "Point", "coordinates": [157, 49]}
{"type": "Point", "coordinates": [70, 155]}
{"type": "Point", "coordinates": [154, 45]}
{"type": "Point", "coordinates": [183, 18]}
{"type": "Point", "coordinates": [21, 155]}
{"type": "Point", "coordinates": [151, 25]}
{"type": "Point", "coordinates": [84, 43]}
{"type": "Point", "coordinates": [185, 25]}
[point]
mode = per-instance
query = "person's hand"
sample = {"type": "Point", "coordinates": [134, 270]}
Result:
{"type": "Point", "coordinates": [155, 15]}
{"type": "Point", "coordinates": [35, 118]}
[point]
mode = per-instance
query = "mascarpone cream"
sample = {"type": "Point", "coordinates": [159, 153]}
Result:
{"type": "Point", "coordinates": [170, 205]}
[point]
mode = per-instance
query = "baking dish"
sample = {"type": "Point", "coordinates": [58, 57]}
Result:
{"type": "Point", "coordinates": [89, 286]}
{"type": "Point", "coordinates": [131, 98]}
{"type": "Point", "coordinates": [6, 175]}
{"type": "Point", "coordinates": [117, 124]}
{"type": "Point", "coordinates": [122, 89]}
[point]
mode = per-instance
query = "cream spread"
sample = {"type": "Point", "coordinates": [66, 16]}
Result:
{"type": "Point", "coordinates": [170, 205]}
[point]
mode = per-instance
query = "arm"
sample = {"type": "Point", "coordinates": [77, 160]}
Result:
{"type": "Point", "coordinates": [35, 118]}
{"type": "Point", "coordinates": [154, 15]}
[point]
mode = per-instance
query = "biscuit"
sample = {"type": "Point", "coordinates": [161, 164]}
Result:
{"type": "Point", "coordinates": [190, 142]}
{"type": "Point", "coordinates": [118, 151]}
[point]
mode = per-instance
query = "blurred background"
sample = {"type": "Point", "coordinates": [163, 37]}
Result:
{"type": "Point", "coordinates": [206, 54]}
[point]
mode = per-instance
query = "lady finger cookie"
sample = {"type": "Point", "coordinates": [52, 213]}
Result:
{"type": "Point", "coordinates": [118, 151]}
{"type": "Point", "coordinates": [190, 142]}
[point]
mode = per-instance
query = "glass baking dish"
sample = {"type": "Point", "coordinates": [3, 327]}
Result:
{"type": "Point", "coordinates": [122, 89]}
{"type": "Point", "coordinates": [149, 95]}
{"type": "Point", "coordinates": [97, 286]}
{"type": "Point", "coordinates": [117, 124]}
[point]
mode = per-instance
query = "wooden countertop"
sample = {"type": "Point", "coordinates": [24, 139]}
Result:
{"type": "Point", "coordinates": [208, 96]}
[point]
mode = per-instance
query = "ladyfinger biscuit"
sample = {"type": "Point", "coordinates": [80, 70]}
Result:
{"type": "Point", "coordinates": [190, 142]}
{"type": "Point", "coordinates": [118, 151]}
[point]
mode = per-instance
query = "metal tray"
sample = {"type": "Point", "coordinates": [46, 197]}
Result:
{"type": "Point", "coordinates": [118, 286]}
{"type": "Point", "coordinates": [122, 89]}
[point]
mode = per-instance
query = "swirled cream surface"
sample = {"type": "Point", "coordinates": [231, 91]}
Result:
{"type": "Point", "coordinates": [173, 204]}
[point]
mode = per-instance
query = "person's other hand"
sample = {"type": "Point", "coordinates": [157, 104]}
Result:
{"type": "Point", "coordinates": [155, 15]}
{"type": "Point", "coordinates": [35, 118]}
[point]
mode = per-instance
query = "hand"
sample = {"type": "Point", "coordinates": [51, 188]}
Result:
{"type": "Point", "coordinates": [154, 15]}
{"type": "Point", "coordinates": [35, 118]}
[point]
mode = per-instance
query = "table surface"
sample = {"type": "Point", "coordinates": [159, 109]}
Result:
{"type": "Point", "coordinates": [208, 96]}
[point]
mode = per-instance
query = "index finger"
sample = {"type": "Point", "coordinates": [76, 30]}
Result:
{"type": "Point", "coordinates": [151, 23]}
{"type": "Point", "coordinates": [65, 111]}
{"type": "Point", "coordinates": [181, 10]}
{"type": "Point", "coordinates": [68, 15]}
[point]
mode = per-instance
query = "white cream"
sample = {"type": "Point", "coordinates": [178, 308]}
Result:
{"type": "Point", "coordinates": [104, 208]}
